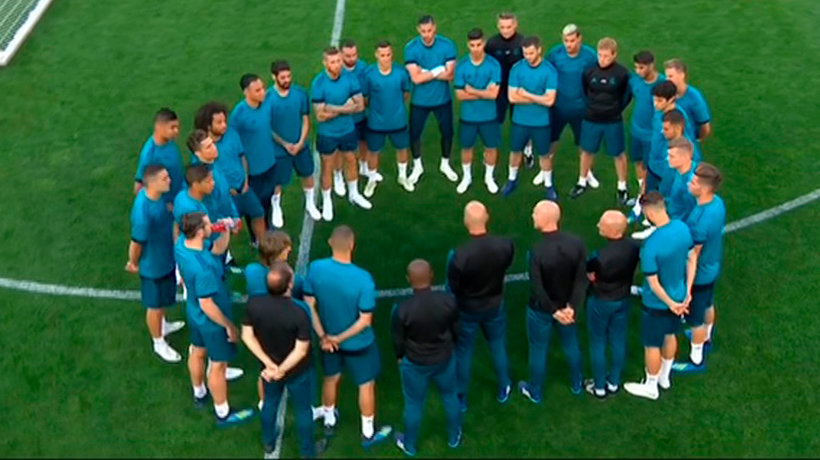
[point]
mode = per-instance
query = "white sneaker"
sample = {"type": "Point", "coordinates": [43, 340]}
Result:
{"type": "Point", "coordinates": [464, 185]}
{"type": "Point", "coordinates": [170, 328]}
{"type": "Point", "coordinates": [318, 413]}
{"type": "Point", "coordinates": [406, 184]}
{"type": "Point", "coordinates": [360, 201]}
{"type": "Point", "coordinates": [448, 172]}
{"type": "Point", "coordinates": [314, 213]}
{"type": "Point", "coordinates": [665, 384]}
{"type": "Point", "coordinates": [168, 354]}
{"type": "Point", "coordinates": [528, 150]}
{"type": "Point", "coordinates": [375, 176]}
{"type": "Point", "coordinates": [416, 174]}
{"type": "Point", "coordinates": [492, 187]}
{"type": "Point", "coordinates": [644, 234]}
{"type": "Point", "coordinates": [642, 389]}
{"type": "Point", "coordinates": [370, 188]}
{"type": "Point", "coordinates": [538, 179]}
{"type": "Point", "coordinates": [327, 210]}
{"type": "Point", "coordinates": [276, 217]}
{"type": "Point", "coordinates": [233, 373]}
{"type": "Point", "coordinates": [592, 181]}
{"type": "Point", "coordinates": [339, 184]}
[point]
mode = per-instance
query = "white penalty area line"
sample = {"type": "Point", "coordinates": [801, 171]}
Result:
{"type": "Point", "coordinates": [115, 294]}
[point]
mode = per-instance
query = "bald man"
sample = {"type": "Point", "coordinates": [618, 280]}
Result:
{"type": "Point", "coordinates": [610, 271]}
{"type": "Point", "coordinates": [558, 277]}
{"type": "Point", "coordinates": [425, 328]}
{"type": "Point", "coordinates": [475, 275]}
{"type": "Point", "coordinates": [342, 298]}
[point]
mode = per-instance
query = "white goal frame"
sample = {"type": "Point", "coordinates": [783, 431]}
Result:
{"type": "Point", "coordinates": [20, 35]}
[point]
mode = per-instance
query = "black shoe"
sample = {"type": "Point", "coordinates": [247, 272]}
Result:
{"type": "Point", "coordinates": [577, 190]}
{"type": "Point", "coordinates": [623, 197]}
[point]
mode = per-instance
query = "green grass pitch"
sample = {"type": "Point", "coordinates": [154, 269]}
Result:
{"type": "Point", "coordinates": [78, 377]}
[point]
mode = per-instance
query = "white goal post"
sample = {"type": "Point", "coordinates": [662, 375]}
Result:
{"type": "Point", "coordinates": [17, 20]}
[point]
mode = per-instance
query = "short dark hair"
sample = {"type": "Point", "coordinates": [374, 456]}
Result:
{"type": "Point", "coordinates": [426, 19]}
{"type": "Point", "coordinates": [279, 278]}
{"type": "Point", "coordinates": [196, 173]}
{"type": "Point", "coordinates": [644, 57]}
{"type": "Point", "coordinates": [195, 139]}
{"type": "Point", "coordinates": [330, 51]}
{"type": "Point", "coordinates": [675, 117]}
{"type": "Point", "coordinates": [652, 198]}
{"type": "Point", "coordinates": [271, 244]}
{"type": "Point", "coordinates": [383, 44]}
{"type": "Point", "coordinates": [279, 66]}
{"type": "Point", "coordinates": [475, 34]}
{"type": "Point", "coordinates": [665, 89]}
{"type": "Point", "coordinates": [151, 171]}
{"type": "Point", "coordinates": [507, 15]}
{"type": "Point", "coordinates": [247, 79]}
{"type": "Point", "coordinates": [347, 43]}
{"type": "Point", "coordinates": [192, 222]}
{"type": "Point", "coordinates": [709, 175]}
{"type": "Point", "coordinates": [532, 40]}
{"type": "Point", "coordinates": [165, 115]}
{"type": "Point", "coordinates": [205, 114]}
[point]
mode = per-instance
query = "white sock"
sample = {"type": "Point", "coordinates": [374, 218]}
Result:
{"type": "Point", "coordinates": [308, 195]}
{"type": "Point", "coordinates": [158, 341]}
{"type": "Point", "coordinates": [200, 391]}
{"type": "Point", "coordinates": [402, 170]}
{"type": "Point", "coordinates": [582, 181]}
{"type": "Point", "coordinates": [222, 410]}
{"type": "Point", "coordinates": [362, 165]}
{"type": "Point", "coordinates": [489, 170]}
{"type": "Point", "coordinates": [666, 368]}
{"type": "Point", "coordinates": [260, 404]}
{"type": "Point", "coordinates": [367, 426]}
{"type": "Point", "coordinates": [417, 163]}
{"type": "Point", "coordinates": [277, 199]}
{"type": "Point", "coordinates": [513, 174]}
{"type": "Point", "coordinates": [326, 195]}
{"type": "Point", "coordinates": [330, 415]}
{"type": "Point", "coordinates": [709, 331]}
{"type": "Point", "coordinates": [696, 354]}
{"type": "Point", "coordinates": [445, 163]}
{"type": "Point", "coordinates": [547, 175]}
{"type": "Point", "coordinates": [367, 170]}
{"type": "Point", "coordinates": [652, 380]}
{"type": "Point", "coordinates": [468, 170]}
{"type": "Point", "coordinates": [621, 185]}
{"type": "Point", "coordinates": [353, 187]}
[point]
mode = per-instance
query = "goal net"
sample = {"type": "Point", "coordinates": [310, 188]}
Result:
{"type": "Point", "coordinates": [17, 20]}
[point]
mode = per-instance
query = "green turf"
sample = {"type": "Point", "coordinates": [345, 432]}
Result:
{"type": "Point", "coordinates": [79, 379]}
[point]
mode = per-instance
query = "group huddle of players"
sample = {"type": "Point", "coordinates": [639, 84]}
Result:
{"type": "Point", "coordinates": [241, 160]}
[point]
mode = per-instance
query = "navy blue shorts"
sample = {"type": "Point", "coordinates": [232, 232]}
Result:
{"type": "Point", "coordinates": [214, 339]}
{"type": "Point", "coordinates": [656, 325]}
{"type": "Point", "coordinates": [639, 149]}
{"type": "Point", "coordinates": [400, 139]}
{"type": "Point", "coordinates": [158, 292]}
{"type": "Point", "coordinates": [361, 129]}
{"type": "Point", "coordinates": [364, 365]}
{"type": "Point", "coordinates": [489, 131]}
{"type": "Point", "coordinates": [560, 119]}
{"type": "Point", "coordinates": [612, 134]}
{"type": "Point", "coordinates": [302, 163]}
{"type": "Point", "coordinates": [703, 297]}
{"type": "Point", "coordinates": [248, 204]}
{"type": "Point", "coordinates": [539, 135]}
{"type": "Point", "coordinates": [328, 145]}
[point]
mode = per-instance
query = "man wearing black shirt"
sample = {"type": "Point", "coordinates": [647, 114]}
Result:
{"type": "Point", "coordinates": [424, 330]}
{"type": "Point", "coordinates": [610, 271]}
{"type": "Point", "coordinates": [475, 275]}
{"type": "Point", "coordinates": [277, 332]}
{"type": "Point", "coordinates": [606, 87]}
{"type": "Point", "coordinates": [558, 277]}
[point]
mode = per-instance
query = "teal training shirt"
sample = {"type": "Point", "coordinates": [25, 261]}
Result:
{"type": "Point", "coordinates": [152, 226]}
{"type": "Point", "coordinates": [479, 77]}
{"type": "Point", "coordinates": [570, 97]}
{"type": "Point", "coordinates": [643, 107]}
{"type": "Point", "coordinates": [184, 203]}
{"type": "Point", "coordinates": [679, 202]}
{"type": "Point", "coordinates": [287, 113]}
{"type": "Point", "coordinates": [204, 277]}
{"type": "Point", "coordinates": [358, 72]}
{"type": "Point", "coordinates": [536, 80]}
{"type": "Point", "coordinates": [327, 90]}
{"type": "Point", "coordinates": [706, 223]}
{"type": "Point", "coordinates": [385, 98]}
{"type": "Point", "coordinates": [229, 160]}
{"type": "Point", "coordinates": [253, 127]}
{"type": "Point", "coordinates": [694, 104]}
{"type": "Point", "coordinates": [434, 92]}
{"type": "Point", "coordinates": [664, 254]}
{"type": "Point", "coordinates": [169, 157]}
{"type": "Point", "coordinates": [342, 290]}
